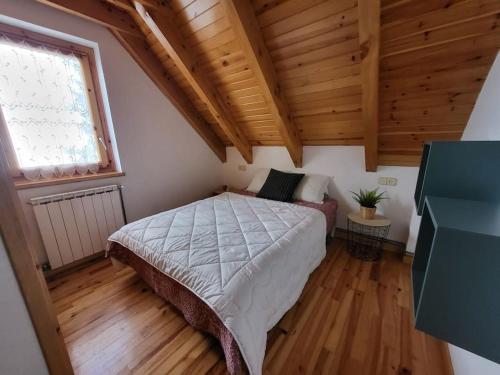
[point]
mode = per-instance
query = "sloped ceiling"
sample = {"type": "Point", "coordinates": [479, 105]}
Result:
{"type": "Point", "coordinates": [327, 72]}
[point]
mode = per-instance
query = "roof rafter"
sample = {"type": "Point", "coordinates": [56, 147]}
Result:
{"type": "Point", "coordinates": [369, 40]}
{"type": "Point", "coordinates": [100, 12]}
{"type": "Point", "coordinates": [152, 66]}
{"type": "Point", "coordinates": [128, 5]}
{"type": "Point", "coordinates": [242, 18]}
{"type": "Point", "coordinates": [164, 29]}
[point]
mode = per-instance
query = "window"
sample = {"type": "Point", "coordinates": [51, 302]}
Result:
{"type": "Point", "coordinates": [51, 105]}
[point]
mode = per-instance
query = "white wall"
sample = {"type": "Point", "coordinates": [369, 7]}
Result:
{"type": "Point", "coordinates": [411, 243]}
{"type": "Point", "coordinates": [20, 352]}
{"type": "Point", "coordinates": [484, 124]}
{"type": "Point", "coordinates": [345, 164]}
{"type": "Point", "coordinates": [166, 163]}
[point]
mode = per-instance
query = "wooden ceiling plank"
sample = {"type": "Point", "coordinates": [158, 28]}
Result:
{"type": "Point", "coordinates": [369, 40]}
{"type": "Point", "coordinates": [100, 12]}
{"type": "Point", "coordinates": [470, 29]}
{"type": "Point", "coordinates": [148, 61]}
{"type": "Point", "coordinates": [242, 19]}
{"type": "Point", "coordinates": [334, 10]}
{"type": "Point", "coordinates": [165, 31]}
{"type": "Point", "coordinates": [457, 13]}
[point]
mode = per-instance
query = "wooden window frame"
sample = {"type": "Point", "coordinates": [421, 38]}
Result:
{"type": "Point", "coordinates": [107, 165]}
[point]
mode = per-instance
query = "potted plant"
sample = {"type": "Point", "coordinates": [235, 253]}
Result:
{"type": "Point", "coordinates": [368, 200]}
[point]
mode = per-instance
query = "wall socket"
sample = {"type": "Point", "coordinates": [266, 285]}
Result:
{"type": "Point", "coordinates": [242, 167]}
{"type": "Point", "coordinates": [390, 181]}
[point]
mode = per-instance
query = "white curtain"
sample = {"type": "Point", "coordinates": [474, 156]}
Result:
{"type": "Point", "coordinates": [44, 100]}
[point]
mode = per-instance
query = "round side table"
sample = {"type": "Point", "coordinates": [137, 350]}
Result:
{"type": "Point", "coordinates": [366, 237]}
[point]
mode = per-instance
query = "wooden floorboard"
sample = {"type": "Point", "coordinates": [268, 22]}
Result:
{"type": "Point", "coordinates": [353, 317]}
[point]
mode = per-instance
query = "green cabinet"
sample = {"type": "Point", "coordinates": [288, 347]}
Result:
{"type": "Point", "coordinates": [465, 170]}
{"type": "Point", "coordinates": [456, 274]}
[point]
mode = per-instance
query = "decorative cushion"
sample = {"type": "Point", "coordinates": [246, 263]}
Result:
{"type": "Point", "coordinates": [258, 180]}
{"type": "Point", "coordinates": [312, 188]}
{"type": "Point", "coordinates": [279, 186]}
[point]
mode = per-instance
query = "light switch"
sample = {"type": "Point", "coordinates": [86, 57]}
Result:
{"type": "Point", "coordinates": [391, 181]}
{"type": "Point", "coordinates": [242, 167]}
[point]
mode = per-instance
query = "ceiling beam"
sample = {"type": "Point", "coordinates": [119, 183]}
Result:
{"type": "Point", "coordinates": [127, 5]}
{"type": "Point", "coordinates": [165, 30]}
{"type": "Point", "coordinates": [152, 66]}
{"type": "Point", "coordinates": [369, 40]}
{"type": "Point", "coordinates": [242, 18]}
{"type": "Point", "coordinates": [100, 12]}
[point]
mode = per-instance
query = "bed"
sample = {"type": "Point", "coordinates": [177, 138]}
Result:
{"type": "Point", "coordinates": [232, 264]}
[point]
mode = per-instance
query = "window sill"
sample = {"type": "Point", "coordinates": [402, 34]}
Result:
{"type": "Point", "coordinates": [22, 183]}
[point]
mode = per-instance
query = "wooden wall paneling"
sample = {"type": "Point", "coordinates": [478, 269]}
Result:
{"type": "Point", "coordinates": [327, 39]}
{"type": "Point", "coordinates": [18, 243]}
{"type": "Point", "coordinates": [434, 98]}
{"type": "Point", "coordinates": [336, 22]}
{"type": "Point", "coordinates": [229, 69]}
{"type": "Point", "coordinates": [98, 11]}
{"type": "Point", "coordinates": [242, 19]}
{"type": "Point", "coordinates": [369, 39]}
{"type": "Point", "coordinates": [345, 49]}
{"type": "Point", "coordinates": [399, 160]}
{"type": "Point", "coordinates": [164, 30]}
{"type": "Point", "coordinates": [404, 10]}
{"type": "Point", "coordinates": [393, 127]}
{"type": "Point", "coordinates": [141, 53]}
{"type": "Point", "coordinates": [441, 18]}
{"type": "Point", "coordinates": [317, 64]}
{"type": "Point", "coordinates": [435, 58]}
{"type": "Point", "coordinates": [188, 9]}
{"type": "Point", "coordinates": [342, 11]}
{"type": "Point", "coordinates": [474, 27]}
{"type": "Point", "coordinates": [453, 79]}
{"type": "Point", "coordinates": [475, 50]}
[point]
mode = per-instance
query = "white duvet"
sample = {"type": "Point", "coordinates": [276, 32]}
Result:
{"type": "Point", "coordinates": [247, 258]}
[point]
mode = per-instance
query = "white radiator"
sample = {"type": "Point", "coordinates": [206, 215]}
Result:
{"type": "Point", "coordinates": [77, 224]}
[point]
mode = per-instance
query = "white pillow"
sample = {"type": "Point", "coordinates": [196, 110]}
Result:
{"type": "Point", "coordinates": [312, 188]}
{"type": "Point", "coordinates": [258, 180]}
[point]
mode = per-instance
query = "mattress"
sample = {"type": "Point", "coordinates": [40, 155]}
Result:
{"type": "Point", "coordinates": [246, 258]}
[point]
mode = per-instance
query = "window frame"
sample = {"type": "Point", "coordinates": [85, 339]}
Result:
{"type": "Point", "coordinates": [107, 166]}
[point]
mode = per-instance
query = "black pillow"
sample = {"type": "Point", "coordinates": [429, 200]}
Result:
{"type": "Point", "coordinates": [279, 186]}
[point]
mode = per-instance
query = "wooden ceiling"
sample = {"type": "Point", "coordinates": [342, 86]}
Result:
{"type": "Point", "coordinates": [386, 74]}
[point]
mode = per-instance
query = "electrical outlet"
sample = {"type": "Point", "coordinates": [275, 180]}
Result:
{"type": "Point", "coordinates": [391, 181]}
{"type": "Point", "coordinates": [242, 167]}
{"type": "Point", "coordinates": [382, 180]}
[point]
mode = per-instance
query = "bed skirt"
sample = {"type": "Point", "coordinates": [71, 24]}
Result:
{"type": "Point", "coordinates": [195, 311]}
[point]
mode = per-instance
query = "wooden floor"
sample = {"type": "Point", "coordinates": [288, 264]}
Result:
{"type": "Point", "coordinates": [353, 317]}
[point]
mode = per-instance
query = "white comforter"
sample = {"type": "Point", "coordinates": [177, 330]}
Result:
{"type": "Point", "coordinates": [247, 258]}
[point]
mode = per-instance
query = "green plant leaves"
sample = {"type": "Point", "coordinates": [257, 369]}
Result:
{"type": "Point", "coordinates": [368, 198]}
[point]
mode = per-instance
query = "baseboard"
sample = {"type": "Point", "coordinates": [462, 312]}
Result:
{"type": "Point", "coordinates": [408, 257]}
{"type": "Point", "coordinates": [72, 267]}
{"type": "Point", "coordinates": [388, 245]}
